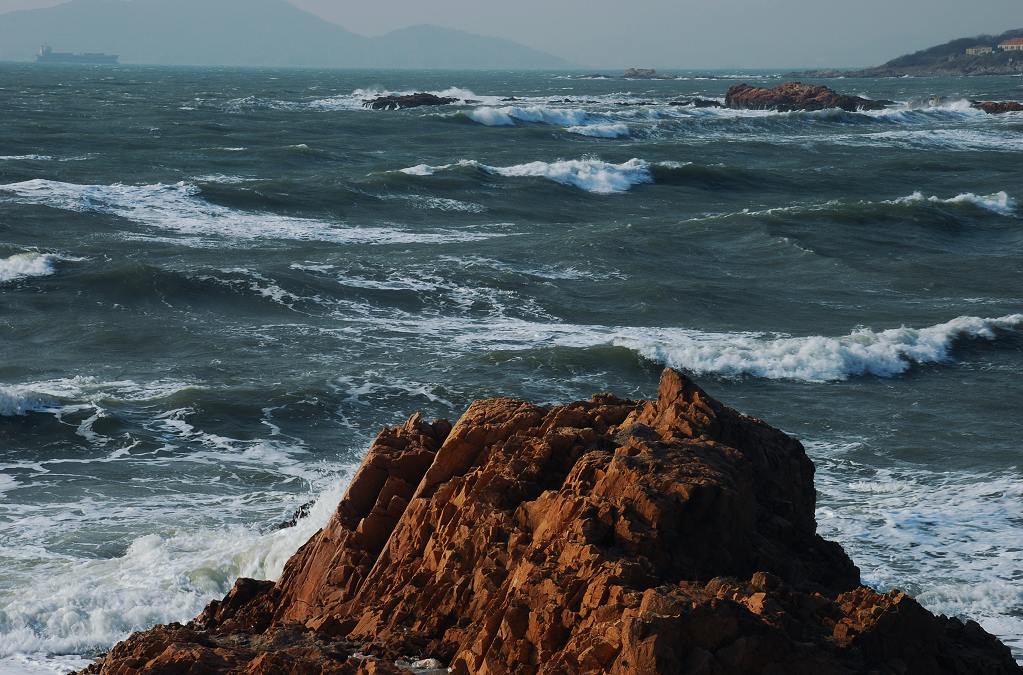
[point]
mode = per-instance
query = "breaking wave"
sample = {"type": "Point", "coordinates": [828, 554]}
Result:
{"type": "Point", "coordinates": [591, 175]}
{"type": "Point", "coordinates": [507, 116]}
{"type": "Point", "coordinates": [885, 353]}
{"type": "Point", "coordinates": [610, 130]}
{"type": "Point", "coordinates": [817, 358]}
{"type": "Point", "coordinates": [161, 578]}
{"type": "Point", "coordinates": [23, 265]}
{"type": "Point", "coordinates": [16, 401]}
{"type": "Point", "coordinates": [181, 209]}
{"type": "Point", "coordinates": [1000, 202]}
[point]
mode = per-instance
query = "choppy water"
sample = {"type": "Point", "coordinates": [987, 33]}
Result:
{"type": "Point", "coordinates": [216, 285]}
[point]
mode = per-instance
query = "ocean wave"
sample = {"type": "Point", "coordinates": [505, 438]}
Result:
{"type": "Point", "coordinates": [816, 358]}
{"type": "Point", "coordinates": [993, 140]}
{"type": "Point", "coordinates": [910, 528]}
{"type": "Point", "coordinates": [170, 576]}
{"type": "Point", "coordinates": [16, 401]}
{"type": "Point", "coordinates": [181, 209]}
{"type": "Point", "coordinates": [885, 353]}
{"type": "Point", "coordinates": [591, 175]}
{"type": "Point", "coordinates": [508, 115]}
{"type": "Point", "coordinates": [1000, 202]}
{"type": "Point", "coordinates": [35, 158]}
{"type": "Point", "coordinates": [81, 392]}
{"type": "Point", "coordinates": [609, 130]}
{"type": "Point", "coordinates": [24, 265]}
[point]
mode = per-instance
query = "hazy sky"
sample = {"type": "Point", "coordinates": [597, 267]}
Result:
{"type": "Point", "coordinates": [686, 33]}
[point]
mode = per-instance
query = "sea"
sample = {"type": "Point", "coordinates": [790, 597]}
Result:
{"type": "Point", "coordinates": [217, 286]}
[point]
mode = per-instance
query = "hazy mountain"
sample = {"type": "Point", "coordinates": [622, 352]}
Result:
{"type": "Point", "coordinates": [246, 33]}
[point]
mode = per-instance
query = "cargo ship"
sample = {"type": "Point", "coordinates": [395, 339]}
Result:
{"type": "Point", "coordinates": [47, 55]}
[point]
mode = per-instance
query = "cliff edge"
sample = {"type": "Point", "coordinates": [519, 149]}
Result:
{"type": "Point", "coordinates": [603, 536]}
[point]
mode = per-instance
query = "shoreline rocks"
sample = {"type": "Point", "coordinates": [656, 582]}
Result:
{"type": "Point", "coordinates": [603, 536]}
{"type": "Point", "coordinates": [407, 101]}
{"type": "Point", "coordinates": [797, 96]}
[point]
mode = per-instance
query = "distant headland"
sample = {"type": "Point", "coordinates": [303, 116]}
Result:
{"type": "Point", "coordinates": [982, 55]}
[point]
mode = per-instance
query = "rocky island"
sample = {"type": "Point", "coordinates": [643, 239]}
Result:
{"type": "Point", "coordinates": [793, 96]}
{"type": "Point", "coordinates": [603, 536]}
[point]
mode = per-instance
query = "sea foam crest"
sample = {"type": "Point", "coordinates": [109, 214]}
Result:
{"type": "Point", "coordinates": [23, 265]}
{"type": "Point", "coordinates": [885, 353]}
{"type": "Point", "coordinates": [1000, 202]}
{"type": "Point", "coordinates": [592, 175]}
{"type": "Point", "coordinates": [180, 208]}
{"type": "Point", "coordinates": [815, 358]}
{"type": "Point", "coordinates": [16, 401]}
{"type": "Point", "coordinates": [508, 115]}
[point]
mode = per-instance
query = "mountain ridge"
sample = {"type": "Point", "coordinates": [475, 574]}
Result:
{"type": "Point", "coordinates": [947, 58]}
{"type": "Point", "coordinates": [248, 33]}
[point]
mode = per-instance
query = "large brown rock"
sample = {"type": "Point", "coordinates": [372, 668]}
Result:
{"type": "Point", "coordinates": [793, 96]}
{"type": "Point", "coordinates": [998, 107]}
{"type": "Point", "coordinates": [603, 536]}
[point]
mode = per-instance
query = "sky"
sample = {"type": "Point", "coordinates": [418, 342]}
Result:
{"type": "Point", "coordinates": [686, 33]}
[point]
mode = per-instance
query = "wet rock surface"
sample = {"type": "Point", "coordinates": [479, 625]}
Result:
{"type": "Point", "coordinates": [603, 536]}
{"type": "Point", "coordinates": [794, 96]}
{"type": "Point", "coordinates": [407, 101]}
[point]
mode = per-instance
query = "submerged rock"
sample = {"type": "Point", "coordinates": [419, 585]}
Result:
{"type": "Point", "coordinates": [793, 96]}
{"type": "Point", "coordinates": [407, 101]}
{"type": "Point", "coordinates": [697, 103]}
{"type": "Point", "coordinates": [998, 107]}
{"type": "Point", "coordinates": [603, 536]}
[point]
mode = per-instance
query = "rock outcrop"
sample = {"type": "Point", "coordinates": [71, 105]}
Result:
{"type": "Point", "coordinates": [644, 74]}
{"type": "Point", "coordinates": [697, 103]}
{"type": "Point", "coordinates": [998, 107]}
{"type": "Point", "coordinates": [603, 536]}
{"type": "Point", "coordinates": [793, 96]}
{"type": "Point", "coordinates": [407, 101]}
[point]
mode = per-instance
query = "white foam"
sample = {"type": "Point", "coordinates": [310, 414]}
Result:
{"type": "Point", "coordinates": [883, 353]}
{"type": "Point", "coordinates": [181, 209]}
{"type": "Point", "coordinates": [19, 400]}
{"type": "Point", "coordinates": [609, 130]}
{"type": "Point", "coordinates": [37, 158]}
{"type": "Point", "coordinates": [592, 175]}
{"type": "Point", "coordinates": [1000, 202]}
{"type": "Point", "coordinates": [817, 358]}
{"type": "Point", "coordinates": [507, 115]}
{"type": "Point", "coordinates": [23, 265]}
{"type": "Point", "coordinates": [950, 538]}
{"type": "Point", "coordinates": [82, 605]}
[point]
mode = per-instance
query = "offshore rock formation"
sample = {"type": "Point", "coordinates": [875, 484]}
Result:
{"type": "Point", "coordinates": [407, 101]}
{"type": "Point", "coordinates": [998, 107]}
{"type": "Point", "coordinates": [793, 96]}
{"type": "Point", "coordinates": [603, 536]}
